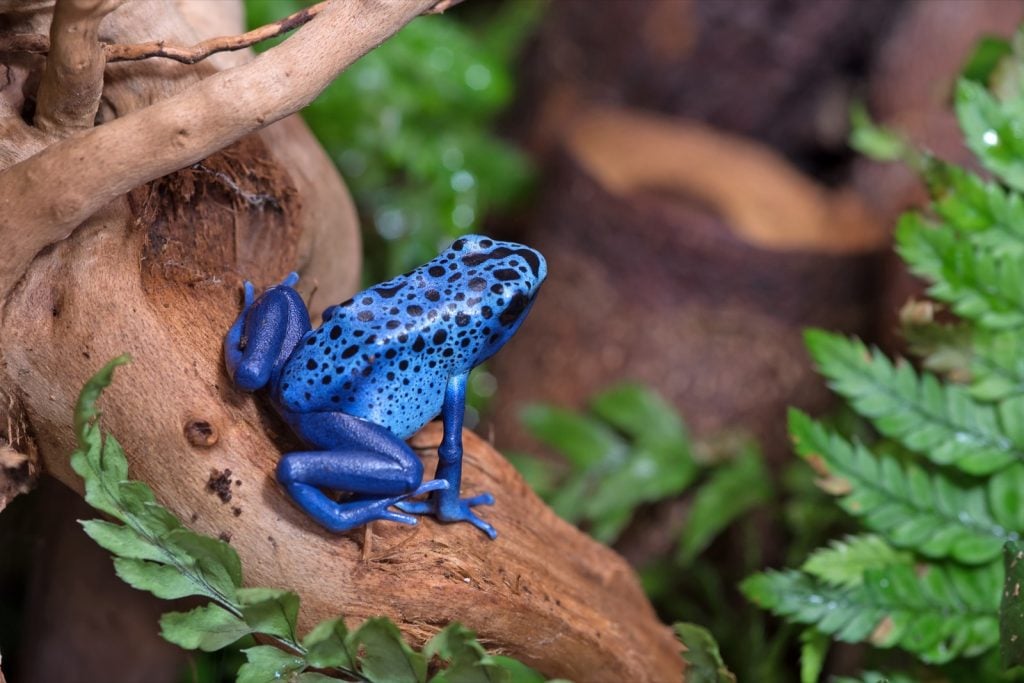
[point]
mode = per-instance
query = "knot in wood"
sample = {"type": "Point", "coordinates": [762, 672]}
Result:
{"type": "Point", "coordinates": [200, 433]}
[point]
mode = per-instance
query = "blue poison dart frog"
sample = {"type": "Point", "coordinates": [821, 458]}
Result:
{"type": "Point", "coordinates": [382, 365]}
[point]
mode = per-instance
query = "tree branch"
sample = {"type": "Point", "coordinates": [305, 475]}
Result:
{"type": "Point", "coordinates": [69, 93]}
{"type": "Point", "coordinates": [200, 51]}
{"type": "Point", "coordinates": [22, 42]}
{"type": "Point", "coordinates": [94, 167]}
{"type": "Point", "coordinates": [442, 6]}
{"type": "Point", "coordinates": [34, 43]}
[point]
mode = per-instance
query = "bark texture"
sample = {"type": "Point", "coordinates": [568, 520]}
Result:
{"type": "Point", "coordinates": [134, 236]}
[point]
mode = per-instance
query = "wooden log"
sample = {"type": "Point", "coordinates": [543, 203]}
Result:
{"type": "Point", "coordinates": [690, 260]}
{"type": "Point", "coordinates": [157, 274]}
{"type": "Point", "coordinates": [780, 72]}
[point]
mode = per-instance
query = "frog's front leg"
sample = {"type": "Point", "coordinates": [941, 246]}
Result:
{"type": "Point", "coordinates": [363, 459]}
{"type": "Point", "coordinates": [264, 334]}
{"type": "Point", "coordinates": [234, 349]}
{"type": "Point", "coordinates": [446, 504]}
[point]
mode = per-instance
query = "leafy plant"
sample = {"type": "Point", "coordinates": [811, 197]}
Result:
{"type": "Point", "coordinates": [410, 127]}
{"type": "Point", "coordinates": [631, 449]}
{"type": "Point", "coordinates": [702, 655]}
{"type": "Point", "coordinates": [939, 487]}
{"type": "Point", "coordinates": [155, 552]}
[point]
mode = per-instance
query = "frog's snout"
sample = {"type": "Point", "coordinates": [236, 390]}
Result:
{"type": "Point", "coordinates": [539, 267]}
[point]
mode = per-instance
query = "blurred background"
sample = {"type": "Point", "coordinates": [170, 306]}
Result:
{"type": "Point", "coordinates": [684, 166]}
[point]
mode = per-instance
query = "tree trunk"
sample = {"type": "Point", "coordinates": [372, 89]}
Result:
{"type": "Point", "coordinates": [691, 260]}
{"type": "Point", "coordinates": [135, 236]}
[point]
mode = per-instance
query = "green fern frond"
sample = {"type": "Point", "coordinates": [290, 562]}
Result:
{"type": "Point", "coordinates": [153, 551]}
{"type": "Point", "coordinates": [981, 285]}
{"type": "Point", "coordinates": [992, 131]}
{"type": "Point", "coordinates": [844, 562]}
{"type": "Point", "coordinates": [997, 364]}
{"type": "Point", "coordinates": [986, 213]}
{"type": "Point", "coordinates": [936, 611]}
{"type": "Point", "coordinates": [939, 421]}
{"type": "Point", "coordinates": [912, 508]}
{"type": "Point", "coordinates": [970, 248]}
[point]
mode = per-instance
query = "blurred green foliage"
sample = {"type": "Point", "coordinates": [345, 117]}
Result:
{"type": "Point", "coordinates": [629, 469]}
{"type": "Point", "coordinates": [938, 487]}
{"type": "Point", "coordinates": [702, 655]}
{"type": "Point", "coordinates": [410, 126]}
{"type": "Point", "coordinates": [631, 449]}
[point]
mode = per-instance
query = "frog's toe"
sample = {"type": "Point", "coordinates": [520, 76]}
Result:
{"type": "Point", "coordinates": [379, 509]}
{"type": "Point", "coordinates": [462, 512]}
{"type": "Point", "coordinates": [432, 485]}
{"type": "Point", "coordinates": [250, 294]}
{"type": "Point", "coordinates": [482, 499]}
{"type": "Point", "coordinates": [424, 507]}
{"type": "Point", "coordinates": [397, 517]}
{"type": "Point", "coordinates": [480, 524]}
{"type": "Point", "coordinates": [291, 280]}
{"type": "Point", "coordinates": [416, 507]}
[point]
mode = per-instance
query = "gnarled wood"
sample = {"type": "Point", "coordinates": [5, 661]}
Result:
{"type": "Point", "coordinates": [183, 129]}
{"type": "Point", "coordinates": [157, 272]}
{"type": "Point", "coordinates": [69, 93]}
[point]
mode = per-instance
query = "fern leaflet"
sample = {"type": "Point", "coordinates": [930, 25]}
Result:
{"type": "Point", "coordinates": [912, 508]}
{"type": "Point", "coordinates": [937, 611]}
{"type": "Point", "coordinates": [939, 421]}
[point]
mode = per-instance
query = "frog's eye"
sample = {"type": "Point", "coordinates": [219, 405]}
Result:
{"type": "Point", "coordinates": [515, 309]}
{"type": "Point", "coordinates": [459, 244]}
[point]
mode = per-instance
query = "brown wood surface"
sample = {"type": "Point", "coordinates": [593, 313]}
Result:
{"type": "Point", "coordinates": [690, 260]}
{"type": "Point", "coordinates": [158, 274]}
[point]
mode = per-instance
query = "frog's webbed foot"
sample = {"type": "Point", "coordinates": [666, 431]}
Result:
{"type": "Point", "coordinates": [452, 510]}
{"type": "Point", "coordinates": [353, 513]}
{"type": "Point", "coordinates": [378, 509]}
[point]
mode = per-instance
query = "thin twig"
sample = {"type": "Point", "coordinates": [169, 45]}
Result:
{"type": "Point", "coordinates": [442, 6]}
{"type": "Point", "coordinates": [367, 542]}
{"type": "Point", "coordinates": [211, 46]}
{"type": "Point", "coordinates": [39, 44]}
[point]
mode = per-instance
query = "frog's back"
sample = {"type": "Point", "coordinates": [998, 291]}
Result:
{"type": "Point", "coordinates": [368, 368]}
{"type": "Point", "coordinates": [386, 354]}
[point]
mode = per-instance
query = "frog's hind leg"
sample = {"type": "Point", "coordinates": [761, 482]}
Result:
{"type": "Point", "coordinates": [346, 515]}
{"type": "Point", "coordinates": [357, 457]}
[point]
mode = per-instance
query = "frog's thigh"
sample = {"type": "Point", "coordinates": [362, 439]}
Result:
{"type": "Point", "coordinates": [350, 454]}
{"type": "Point", "coordinates": [354, 471]}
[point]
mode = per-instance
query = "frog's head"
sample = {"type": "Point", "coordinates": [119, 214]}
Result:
{"type": "Point", "coordinates": [505, 276]}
